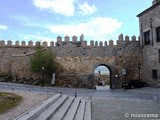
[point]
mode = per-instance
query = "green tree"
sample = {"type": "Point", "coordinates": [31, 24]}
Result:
{"type": "Point", "coordinates": [36, 60]}
{"type": "Point", "coordinates": [43, 58]}
{"type": "Point", "coordinates": [50, 63]}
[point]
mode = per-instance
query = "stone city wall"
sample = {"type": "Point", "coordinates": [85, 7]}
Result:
{"type": "Point", "coordinates": [76, 57]}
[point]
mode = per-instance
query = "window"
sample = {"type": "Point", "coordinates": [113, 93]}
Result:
{"type": "Point", "coordinates": [154, 74]}
{"type": "Point", "coordinates": [158, 34]}
{"type": "Point", "coordinates": [159, 55]}
{"type": "Point", "coordinates": [147, 38]}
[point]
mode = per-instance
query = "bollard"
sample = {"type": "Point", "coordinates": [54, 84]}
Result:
{"type": "Point", "coordinates": [75, 94]}
{"type": "Point", "coordinates": [155, 99]}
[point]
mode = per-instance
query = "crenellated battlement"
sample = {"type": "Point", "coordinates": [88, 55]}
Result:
{"type": "Point", "coordinates": [72, 53]}
{"type": "Point", "coordinates": [67, 39]}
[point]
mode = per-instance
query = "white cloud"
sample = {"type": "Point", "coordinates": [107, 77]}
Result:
{"type": "Point", "coordinates": [3, 27]}
{"type": "Point", "coordinates": [86, 9]}
{"type": "Point", "coordinates": [38, 38]}
{"type": "Point", "coordinates": [98, 28]}
{"type": "Point", "coordinates": [63, 7]}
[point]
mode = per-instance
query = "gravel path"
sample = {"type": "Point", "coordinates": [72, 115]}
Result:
{"type": "Point", "coordinates": [118, 109]}
{"type": "Point", "coordinates": [30, 99]}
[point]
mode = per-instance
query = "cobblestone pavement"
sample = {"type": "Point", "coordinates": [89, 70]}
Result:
{"type": "Point", "coordinates": [118, 109]}
{"type": "Point", "coordinates": [119, 104]}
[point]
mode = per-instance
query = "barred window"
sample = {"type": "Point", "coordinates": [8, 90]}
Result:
{"type": "Point", "coordinates": [159, 55]}
{"type": "Point", "coordinates": [147, 38]}
{"type": "Point", "coordinates": [158, 34]}
{"type": "Point", "coordinates": [154, 74]}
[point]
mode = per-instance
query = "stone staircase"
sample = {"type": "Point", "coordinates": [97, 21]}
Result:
{"type": "Point", "coordinates": [59, 107]}
{"type": "Point", "coordinates": [107, 87]}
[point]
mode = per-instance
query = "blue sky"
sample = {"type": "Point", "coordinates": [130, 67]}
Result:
{"type": "Point", "coordinates": [44, 20]}
{"type": "Point", "coordinates": [104, 70]}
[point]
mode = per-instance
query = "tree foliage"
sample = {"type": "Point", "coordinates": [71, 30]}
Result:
{"type": "Point", "coordinates": [43, 58]}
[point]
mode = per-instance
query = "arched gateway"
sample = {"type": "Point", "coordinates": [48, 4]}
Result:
{"type": "Point", "coordinates": [111, 72]}
{"type": "Point", "coordinates": [77, 59]}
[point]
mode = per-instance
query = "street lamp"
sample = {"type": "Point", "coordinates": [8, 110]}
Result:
{"type": "Point", "coordinates": [43, 74]}
{"type": "Point", "coordinates": [116, 81]}
{"type": "Point", "coordinates": [139, 68]}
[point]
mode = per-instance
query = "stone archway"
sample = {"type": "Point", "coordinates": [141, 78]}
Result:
{"type": "Point", "coordinates": [111, 72]}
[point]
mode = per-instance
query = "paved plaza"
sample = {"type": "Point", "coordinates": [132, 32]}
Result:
{"type": "Point", "coordinates": [107, 104]}
{"type": "Point", "coordinates": [119, 109]}
{"type": "Point", "coordinates": [147, 93]}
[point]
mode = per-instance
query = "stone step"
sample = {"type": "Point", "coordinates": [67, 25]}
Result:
{"type": "Point", "coordinates": [81, 109]}
{"type": "Point", "coordinates": [48, 113]}
{"type": "Point", "coordinates": [59, 115]}
{"type": "Point", "coordinates": [60, 107]}
{"type": "Point", "coordinates": [36, 111]}
{"type": "Point", "coordinates": [87, 113]}
{"type": "Point", "coordinates": [73, 110]}
{"type": "Point", "coordinates": [107, 87]}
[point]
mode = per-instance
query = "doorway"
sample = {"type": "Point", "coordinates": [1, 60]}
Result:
{"type": "Point", "coordinates": [102, 76]}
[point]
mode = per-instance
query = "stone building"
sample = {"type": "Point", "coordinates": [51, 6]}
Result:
{"type": "Point", "coordinates": [149, 25]}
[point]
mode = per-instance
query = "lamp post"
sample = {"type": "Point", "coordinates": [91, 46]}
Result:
{"type": "Point", "coordinates": [139, 69]}
{"type": "Point", "coordinates": [43, 74]}
{"type": "Point", "coordinates": [116, 81]}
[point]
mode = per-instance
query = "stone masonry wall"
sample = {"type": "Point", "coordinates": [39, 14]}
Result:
{"type": "Point", "coordinates": [76, 57]}
{"type": "Point", "coordinates": [149, 22]}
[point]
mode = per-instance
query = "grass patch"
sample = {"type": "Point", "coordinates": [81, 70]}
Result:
{"type": "Point", "coordinates": [8, 101]}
